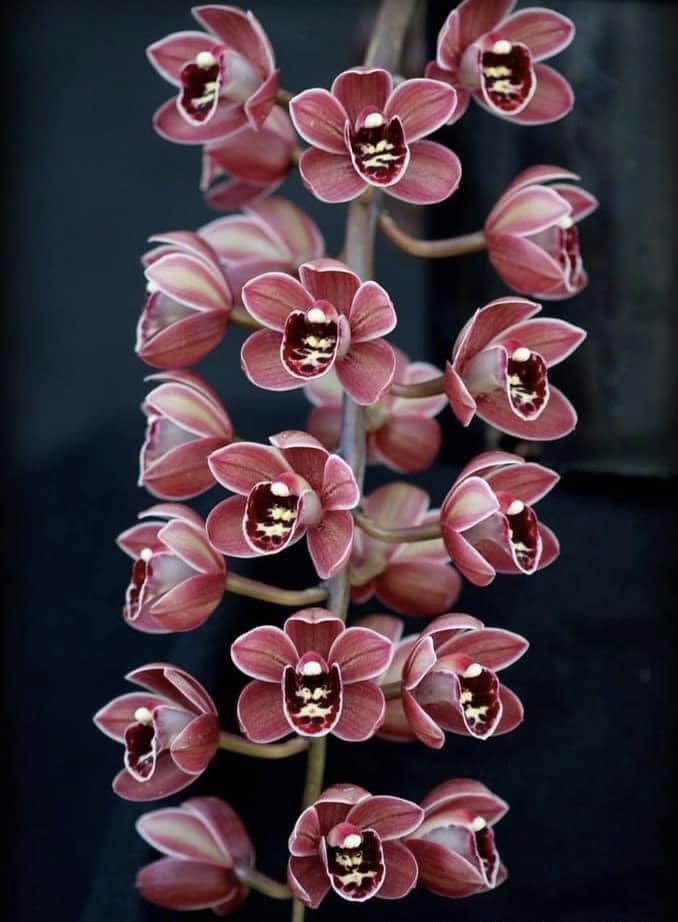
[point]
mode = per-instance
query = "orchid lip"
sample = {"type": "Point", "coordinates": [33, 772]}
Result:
{"type": "Point", "coordinates": [140, 750]}
{"type": "Point", "coordinates": [270, 516]}
{"type": "Point", "coordinates": [355, 864]}
{"type": "Point", "coordinates": [527, 383]}
{"type": "Point", "coordinates": [378, 148]}
{"type": "Point", "coordinates": [479, 700]}
{"type": "Point", "coordinates": [309, 343]}
{"type": "Point", "coordinates": [312, 695]}
{"type": "Point", "coordinates": [507, 76]}
{"type": "Point", "coordinates": [523, 533]}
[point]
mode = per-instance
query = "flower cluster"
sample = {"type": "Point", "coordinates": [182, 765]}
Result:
{"type": "Point", "coordinates": [318, 322]}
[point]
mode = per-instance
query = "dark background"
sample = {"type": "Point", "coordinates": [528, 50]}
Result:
{"type": "Point", "coordinates": [589, 775]}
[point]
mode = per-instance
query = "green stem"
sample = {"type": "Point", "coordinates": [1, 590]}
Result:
{"type": "Point", "coordinates": [397, 535]}
{"type": "Point", "coordinates": [295, 598]}
{"type": "Point", "coordinates": [231, 742]}
{"type": "Point", "coordinates": [428, 388]}
{"type": "Point", "coordinates": [431, 249]}
{"type": "Point", "coordinates": [262, 883]}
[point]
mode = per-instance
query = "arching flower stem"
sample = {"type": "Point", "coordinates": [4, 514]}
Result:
{"type": "Point", "coordinates": [397, 535]}
{"type": "Point", "coordinates": [295, 598]}
{"type": "Point", "coordinates": [262, 883]}
{"type": "Point", "coordinates": [431, 249]}
{"type": "Point", "coordinates": [428, 388]}
{"type": "Point", "coordinates": [240, 318]}
{"type": "Point", "coordinates": [231, 742]}
{"type": "Point", "coordinates": [283, 98]}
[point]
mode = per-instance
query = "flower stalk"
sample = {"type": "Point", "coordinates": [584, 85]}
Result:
{"type": "Point", "coordinates": [232, 742]}
{"type": "Point", "coordinates": [294, 598]}
{"type": "Point", "coordinates": [425, 532]}
{"type": "Point", "coordinates": [431, 249]}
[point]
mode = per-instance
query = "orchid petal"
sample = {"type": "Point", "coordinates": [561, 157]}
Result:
{"type": "Point", "coordinates": [418, 587]}
{"type": "Point", "coordinates": [558, 418]}
{"type": "Point", "coordinates": [242, 465]}
{"type": "Point", "coordinates": [193, 748]}
{"type": "Point", "coordinates": [170, 55]}
{"type": "Point", "coordinates": [171, 125]}
{"type": "Point", "coordinates": [178, 834]}
{"type": "Point", "coordinates": [553, 98]}
{"type": "Point", "coordinates": [408, 444]}
{"type": "Point", "coordinates": [444, 871]}
{"type": "Point", "coordinates": [239, 30]}
{"type": "Point", "coordinates": [422, 106]}
{"type": "Point", "coordinates": [320, 119]}
{"type": "Point", "coordinates": [528, 482]}
{"type": "Point", "coordinates": [225, 528]}
{"type": "Point", "coordinates": [529, 210]}
{"type": "Point", "coordinates": [545, 32]}
{"type": "Point", "coordinates": [371, 313]}
{"type": "Point", "coordinates": [330, 177]}
{"type": "Point", "coordinates": [361, 654]}
{"type": "Point", "coordinates": [260, 360]}
{"type": "Point", "coordinates": [263, 653]}
{"type": "Point", "coordinates": [175, 883]}
{"type": "Point", "coordinates": [314, 630]}
{"type": "Point", "coordinates": [270, 298]}
{"type": "Point", "coordinates": [361, 713]}
{"type": "Point", "coordinates": [357, 90]}
{"type": "Point", "coordinates": [389, 817]}
{"type": "Point", "coordinates": [366, 371]}
{"type": "Point", "coordinates": [433, 174]}
{"type": "Point", "coordinates": [260, 712]}
{"type": "Point", "coordinates": [401, 871]}
{"type": "Point", "coordinates": [308, 880]}
{"type": "Point", "coordinates": [330, 542]}
{"type": "Point", "coordinates": [166, 779]}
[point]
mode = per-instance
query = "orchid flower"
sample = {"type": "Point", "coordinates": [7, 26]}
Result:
{"type": "Point", "coordinates": [327, 320]}
{"type": "Point", "coordinates": [249, 164]}
{"type": "Point", "coordinates": [448, 680]}
{"type": "Point", "coordinates": [273, 235]}
{"type": "Point", "coordinates": [178, 578]}
{"type": "Point", "coordinates": [313, 678]}
{"type": "Point", "coordinates": [487, 520]}
{"type": "Point", "coordinates": [454, 845]}
{"type": "Point", "coordinates": [411, 579]}
{"type": "Point", "coordinates": [170, 732]}
{"type": "Point", "coordinates": [226, 77]}
{"type": "Point", "coordinates": [207, 849]}
{"type": "Point", "coordinates": [348, 840]}
{"type": "Point", "coordinates": [366, 133]}
{"type": "Point", "coordinates": [401, 433]}
{"type": "Point", "coordinates": [499, 370]}
{"type": "Point", "coordinates": [292, 489]}
{"type": "Point", "coordinates": [531, 233]}
{"type": "Point", "coordinates": [495, 57]}
{"type": "Point", "coordinates": [188, 301]}
{"type": "Point", "coordinates": [186, 422]}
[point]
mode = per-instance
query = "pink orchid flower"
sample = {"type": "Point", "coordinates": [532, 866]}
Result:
{"type": "Point", "coordinates": [186, 422]}
{"type": "Point", "coordinates": [188, 302]}
{"type": "Point", "coordinates": [366, 133]}
{"type": "Point", "coordinates": [226, 77]}
{"type": "Point", "coordinates": [313, 678]}
{"type": "Point", "coordinates": [249, 164]}
{"type": "Point", "coordinates": [448, 680]}
{"type": "Point", "coordinates": [170, 732]}
{"type": "Point", "coordinates": [326, 320]}
{"type": "Point", "coordinates": [531, 234]}
{"type": "Point", "coordinates": [292, 489]}
{"type": "Point", "coordinates": [178, 578]}
{"type": "Point", "coordinates": [496, 58]}
{"type": "Point", "coordinates": [488, 526]}
{"type": "Point", "coordinates": [454, 846]}
{"type": "Point", "coordinates": [207, 849]}
{"type": "Point", "coordinates": [401, 433]}
{"type": "Point", "coordinates": [348, 840]}
{"type": "Point", "coordinates": [499, 370]}
{"type": "Point", "coordinates": [271, 236]}
{"type": "Point", "coordinates": [411, 579]}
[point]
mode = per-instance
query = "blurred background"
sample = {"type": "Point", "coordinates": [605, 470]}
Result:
{"type": "Point", "coordinates": [589, 776]}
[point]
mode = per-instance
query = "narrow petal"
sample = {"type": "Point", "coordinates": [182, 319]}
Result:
{"type": "Point", "coordinates": [189, 407]}
{"type": "Point", "coordinates": [469, 502]}
{"type": "Point", "coordinates": [366, 371]}
{"type": "Point", "coordinates": [361, 654]}
{"type": "Point", "coordinates": [263, 653]}
{"type": "Point", "coordinates": [528, 482]}
{"type": "Point", "coordinates": [461, 401]}
{"type": "Point", "coordinates": [390, 817]}
{"type": "Point", "coordinates": [191, 545]}
{"type": "Point", "coordinates": [260, 712]}
{"type": "Point", "coordinates": [523, 265]}
{"type": "Point", "coordinates": [433, 174]}
{"type": "Point", "coordinates": [528, 211]}
{"type": "Point", "coordinates": [396, 727]}
{"type": "Point", "coordinates": [270, 299]}
{"type": "Point", "coordinates": [183, 342]}
{"type": "Point", "coordinates": [423, 726]}
{"type": "Point", "coordinates": [444, 871]}
{"type": "Point", "coordinates": [418, 587]}
{"type": "Point", "coordinates": [550, 546]}
{"type": "Point", "coordinates": [422, 106]}
{"type": "Point", "coordinates": [358, 89]}
{"type": "Point", "coordinates": [557, 419]}
{"type": "Point", "coordinates": [401, 871]}
{"type": "Point", "coordinates": [177, 833]}
{"type": "Point", "coordinates": [371, 313]}
{"type": "Point", "coordinates": [361, 713]}
{"type": "Point", "coordinates": [188, 605]}
{"type": "Point", "coordinates": [331, 280]}
{"type": "Point", "coordinates": [340, 489]}
{"type": "Point", "coordinates": [462, 794]}
{"type": "Point", "coordinates": [260, 104]}
{"type": "Point", "coordinates": [240, 466]}
{"type": "Point", "coordinates": [488, 322]}
{"type": "Point", "coordinates": [188, 280]}
{"type": "Point", "coordinates": [179, 884]}
{"type": "Point", "coordinates": [320, 119]}
{"type": "Point", "coordinates": [303, 841]}
{"type": "Point", "coordinates": [476, 17]}
{"type": "Point", "coordinates": [467, 559]}
{"type": "Point", "coordinates": [545, 32]}
{"type": "Point", "coordinates": [182, 472]}
{"type": "Point", "coordinates": [330, 542]}
{"type": "Point", "coordinates": [408, 444]}
{"type": "Point", "coordinates": [314, 629]}
{"type": "Point", "coordinates": [260, 360]}
{"type": "Point", "coordinates": [240, 238]}
{"type": "Point", "coordinates": [169, 55]}
{"type": "Point", "coordinates": [225, 529]}
{"type": "Point", "coordinates": [582, 202]}
{"type": "Point", "coordinates": [308, 880]}
{"type": "Point", "coordinates": [512, 711]}
{"type": "Point", "coordinates": [171, 125]}
{"type": "Point", "coordinates": [553, 339]}
{"type": "Point", "coordinates": [420, 661]}
{"type": "Point", "coordinates": [553, 98]}
{"type": "Point", "coordinates": [116, 716]}
{"type": "Point", "coordinates": [192, 749]}
{"type": "Point", "coordinates": [330, 177]}
{"type": "Point", "coordinates": [166, 779]}
{"type": "Point", "coordinates": [239, 30]}
{"type": "Point", "coordinates": [493, 648]}
{"type": "Point", "coordinates": [225, 826]}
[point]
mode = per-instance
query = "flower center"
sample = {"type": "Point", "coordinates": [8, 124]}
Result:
{"type": "Point", "coordinates": [569, 256]}
{"type": "Point", "coordinates": [527, 382]}
{"type": "Point", "coordinates": [200, 86]}
{"type": "Point", "coordinates": [479, 700]}
{"type": "Point", "coordinates": [523, 533]}
{"type": "Point", "coordinates": [378, 148]}
{"type": "Point", "coordinates": [270, 516]}
{"type": "Point", "coordinates": [309, 343]}
{"type": "Point", "coordinates": [507, 77]}
{"type": "Point", "coordinates": [141, 746]}
{"type": "Point", "coordinates": [486, 850]}
{"type": "Point", "coordinates": [355, 861]}
{"type": "Point", "coordinates": [134, 596]}
{"type": "Point", "coordinates": [312, 695]}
